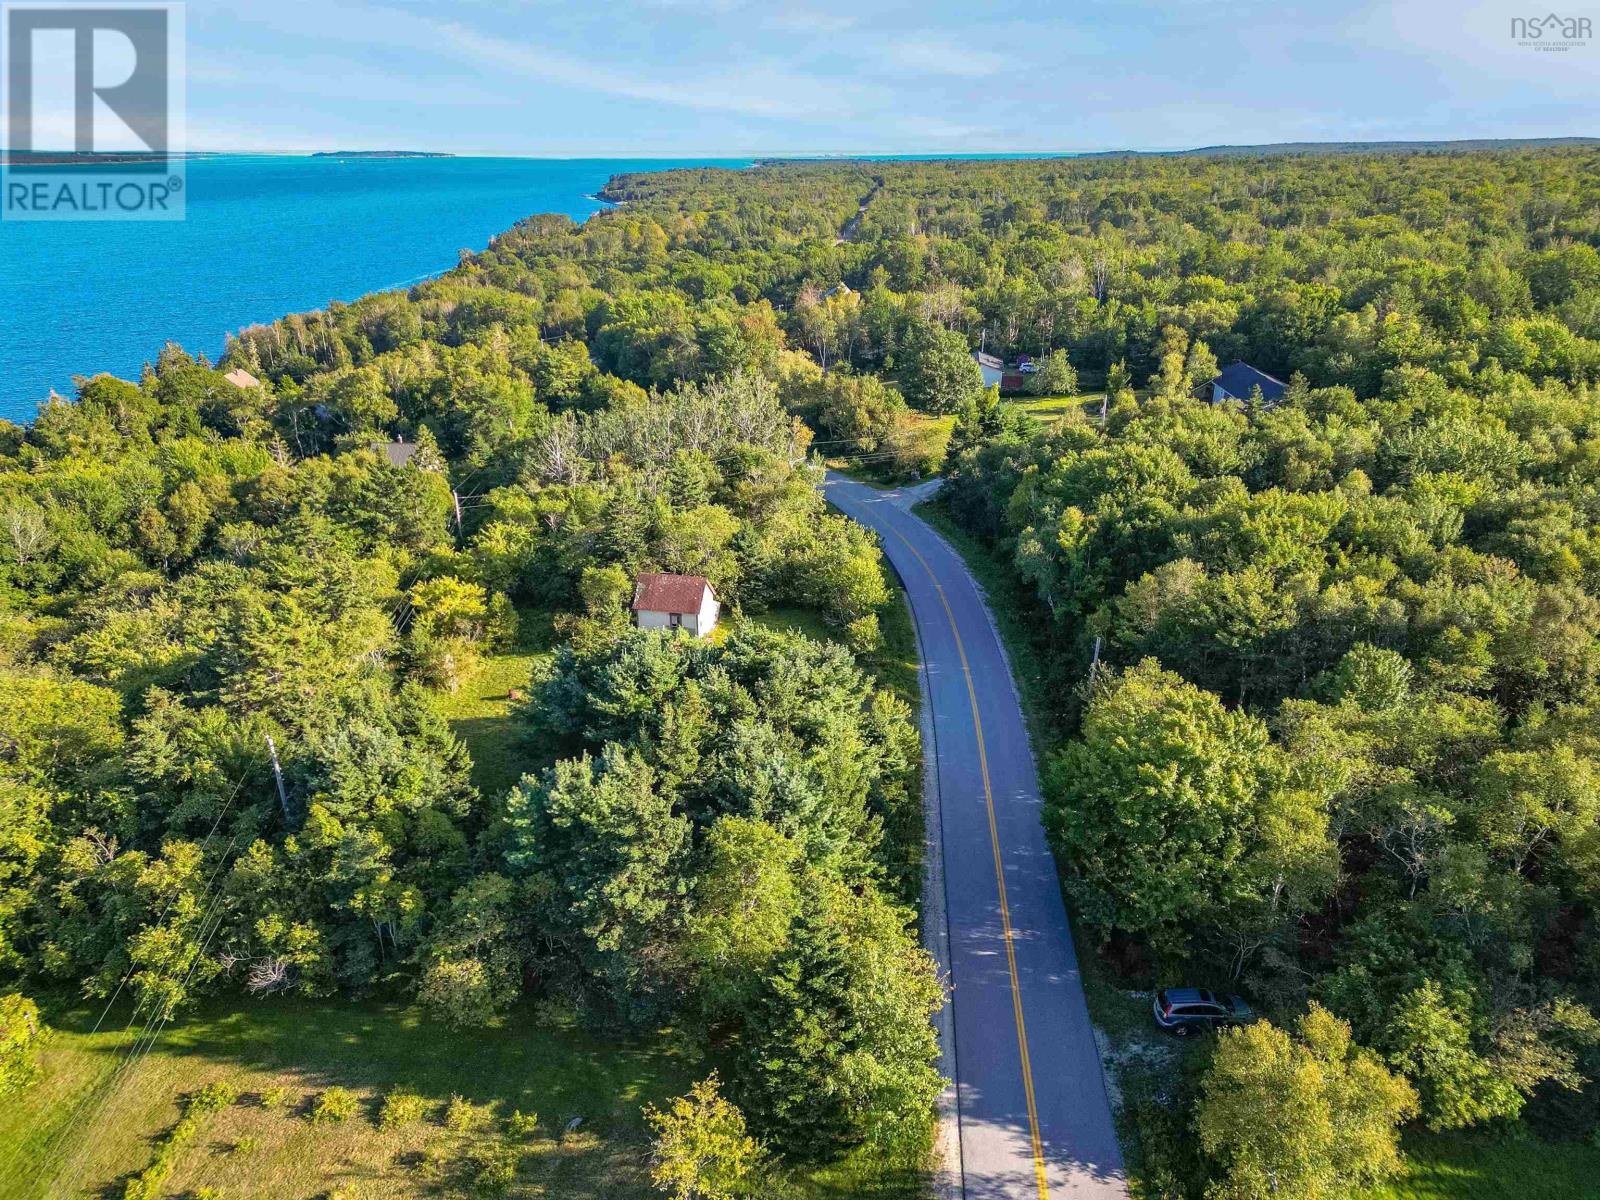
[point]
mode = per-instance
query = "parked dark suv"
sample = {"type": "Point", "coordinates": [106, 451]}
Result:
{"type": "Point", "coordinates": [1182, 1011]}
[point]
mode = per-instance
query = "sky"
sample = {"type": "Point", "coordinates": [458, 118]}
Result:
{"type": "Point", "coordinates": [683, 78]}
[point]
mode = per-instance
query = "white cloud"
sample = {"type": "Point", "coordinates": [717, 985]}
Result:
{"type": "Point", "coordinates": [754, 89]}
{"type": "Point", "coordinates": [799, 19]}
{"type": "Point", "coordinates": [936, 54]}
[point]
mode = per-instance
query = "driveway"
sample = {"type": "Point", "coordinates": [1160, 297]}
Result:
{"type": "Point", "coordinates": [1030, 1110]}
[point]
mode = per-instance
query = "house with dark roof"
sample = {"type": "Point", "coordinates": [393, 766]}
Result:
{"type": "Point", "coordinates": [399, 452]}
{"type": "Point", "coordinates": [992, 368]}
{"type": "Point", "coordinates": [662, 601]}
{"type": "Point", "coordinates": [1239, 379]}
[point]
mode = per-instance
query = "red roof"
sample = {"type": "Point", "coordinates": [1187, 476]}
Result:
{"type": "Point", "coordinates": [657, 592]}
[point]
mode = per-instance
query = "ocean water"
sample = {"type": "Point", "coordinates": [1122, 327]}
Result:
{"type": "Point", "coordinates": [265, 236]}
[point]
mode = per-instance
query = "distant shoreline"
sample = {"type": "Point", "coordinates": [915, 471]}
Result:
{"type": "Point", "coordinates": [382, 154]}
{"type": "Point", "coordinates": [71, 158]}
{"type": "Point", "coordinates": [1398, 145]}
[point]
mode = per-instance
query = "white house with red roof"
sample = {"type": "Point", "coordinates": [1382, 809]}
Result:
{"type": "Point", "coordinates": [662, 601]}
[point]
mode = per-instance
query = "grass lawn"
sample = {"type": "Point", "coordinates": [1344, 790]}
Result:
{"type": "Point", "coordinates": [1468, 1167]}
{"type": "Point", "coordinates": [893, 664]}
{"type": "Point", "coordinates": [933, 432]}
{"type": "Point", "coordinates": [1051, 409]}
{"type": "Point", "coordinates": [534, 1061]}
{"type": "Point", "coordinates": [537, 1064]}
{"type": "Point", "coordinates": [479, 710]}
{"type": "Point", "coordinates": [783, 620]}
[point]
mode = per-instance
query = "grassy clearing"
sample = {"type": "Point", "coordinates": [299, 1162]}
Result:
{"type": "Point", "coordinates": [1477, 1167]}
{"type": "Point", "coordinates": [893, 664]}
{"type": "Point", "coordinates": [932, 432]}
{"type": "Point", "coordinates": [783, 620]}
{"type": "Point", "coordinates": [480, 710]}
{"type": "Point", "coordinates": [535, 1062]}
{"type": "Point", "coordinates": [1050, 409]}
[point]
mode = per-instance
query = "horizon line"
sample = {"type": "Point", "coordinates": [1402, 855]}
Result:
{"type": "Point", "coordinates": [809, 154]}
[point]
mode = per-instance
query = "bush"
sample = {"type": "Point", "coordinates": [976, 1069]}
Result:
{"type": "Point", "coordinates": [400, 1108]}
{"type": "Point", "coordinates": [213, 1097]}
{"type": "Point", "coordinates": [461, 1115]}
{"type": "Point", "coordinates": [21, 1035]}
{"type": "Point", "coordinates": [246, 1145]}
{"type": "Point", "coordinates": [275, 1097]}
{"type": "Point", "coordinates": [701, 1147]}
{"type": "Point", "coordinates": [523, 1124]}
{"type": "Point", "coordinates": [149, 1183]}
{"type": "Point", "coordinates": [1055, 376]}
{"type": "Point", "coordinates": [862, 635]}
{"type": "Point", "coordinates": [332, 1106]}
{"type": "Point", "coordinates": [467, 992]}
{"type": "Point", "coordinates": [494, 1168]}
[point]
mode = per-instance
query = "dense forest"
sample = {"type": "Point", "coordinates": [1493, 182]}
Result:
{"type": "Point", "coordinates": [1338, 749]}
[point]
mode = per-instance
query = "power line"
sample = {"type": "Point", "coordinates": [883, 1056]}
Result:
{"type": "Point", "coordinates": [127, 976]}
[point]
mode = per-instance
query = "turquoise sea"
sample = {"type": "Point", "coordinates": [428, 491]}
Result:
{"type": "Point", "coordinates": [264, 236]}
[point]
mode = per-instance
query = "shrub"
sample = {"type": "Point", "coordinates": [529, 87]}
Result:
{"type": "Point", "coordinates": [467, 991]}
{"type": "Point", "coordinates": [332, 1106]}
{"type": "Point", "coordinates": [21, 1035]}
{"type": "Point", "coordinates": [494, 1168]}
{"type": "Point", "coordinates": [701, 1148]}
{"type": "Point", "coordinates": [461, 1115]}
{"type": "Point", "coordinates": [400, 1108]}
{"type": "Point", "coordinates": [523, 1124]}
{"type": "Point", "coordinates": [213, 1097]}
{"type": "Point", "coordinates": [863, 635]}
{"type": "Point", "coordinates": [274, 1097]}
{"type": "Point", "coordinates": [149, 1183]}
{"type": "Point", "coordinates": [246, 1145]}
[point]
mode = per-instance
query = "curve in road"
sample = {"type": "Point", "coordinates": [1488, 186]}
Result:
{"type": "Point", "coordinates": [1032, 1112]}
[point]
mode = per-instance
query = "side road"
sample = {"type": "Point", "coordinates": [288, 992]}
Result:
{"type": "Point", "coordinates": [1032, 1118]}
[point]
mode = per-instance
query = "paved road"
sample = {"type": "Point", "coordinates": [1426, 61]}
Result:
{"type": "Point", "coordinates": [1030, 1100]}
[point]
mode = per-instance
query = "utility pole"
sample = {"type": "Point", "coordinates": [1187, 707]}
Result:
{"type": "Point", "coordinates": [277, 774]}
{"type": "Point", "coordinates": [454, 496]}
{"type": "Point", "coordinates": [1094, 661]}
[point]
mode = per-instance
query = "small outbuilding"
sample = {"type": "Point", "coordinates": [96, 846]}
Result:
{"type": "Point", "coordinates": [399, 452]}
{"type": "Point", "coordinates": [1239, 379]}
{"type": "Point", "coordinates": [992, 369]}
{"type": "Point", "coordinates": [662, 601]}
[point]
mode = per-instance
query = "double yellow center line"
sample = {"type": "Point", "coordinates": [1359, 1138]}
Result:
{"type": "Point", "coordinates": [999, 874]}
